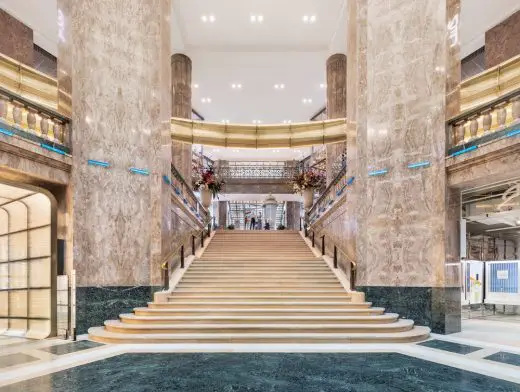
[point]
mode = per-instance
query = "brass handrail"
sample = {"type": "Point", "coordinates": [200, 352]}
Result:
{"type": "Point", "coordinates": [166, 259]}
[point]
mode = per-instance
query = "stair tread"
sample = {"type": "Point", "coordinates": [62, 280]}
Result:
{"type": "Point", "coordinates": [288, 303]}
{"type": "Point", "coordinates": [260, 310]}
{"type": "Point", "coordinates": [385, 316]}
{"type": "Point", "coordinates": [415, 334]}
{"type": "Point", "coordinates": [395, 325]}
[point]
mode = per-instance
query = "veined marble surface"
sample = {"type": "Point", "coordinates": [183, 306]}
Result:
{"type": "Point", "coordinates": [121, 111]}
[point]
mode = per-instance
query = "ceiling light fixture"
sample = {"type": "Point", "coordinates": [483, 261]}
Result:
{"type": "Point", "coordinates": [287, 121]}
{"type": "Point", "coordinates": [236, 86]}
{"type": "Point", "coordinates": [307, 100]}
{"type": "Point", "coordinates": [208, 18]}
{"type": "Point", "coordinates": [256, 18]}
{"type": "Point", "coordinates": [225, 121]}
{"type": "Point", "coordinates": [280, 86]}
{"type": "Point", "coordinates": [257, 122]}
{"type": "Point", "coordinates": [309, 19]}
{"type": "Point", "coordinates": [323, 85]}
{"type": "Point", "coordinates": [195, 85]}
{"type": "Point", "coordinates": [206, 100]}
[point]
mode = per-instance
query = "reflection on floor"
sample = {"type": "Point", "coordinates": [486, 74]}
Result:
{"type": "Point", "coordinates": [361, 372]}
{"type": "Point", "coordinates": [480, 359]}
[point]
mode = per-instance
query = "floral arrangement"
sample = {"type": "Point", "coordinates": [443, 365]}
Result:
{"type": "Point", "coordinates": [308, 178]}
{"type": "Point", "coordinates": [206, 178]}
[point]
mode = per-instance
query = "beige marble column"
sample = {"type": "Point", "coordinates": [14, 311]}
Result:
{"type": "Point", "coordinates": [181, 107]}
{"type": "Point", "coordinates": [336, 107]}
{"type": "Point", "coordinates": [120, 113]}
{"type": "Point", "coordinates": [405, 70]}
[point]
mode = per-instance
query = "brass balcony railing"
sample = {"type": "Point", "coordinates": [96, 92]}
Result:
{"type": "Point", "coordinates": [28, 107]}
{"type": "Point", "coordinates": [490, 104]}
{"type": "Point", "coordinates": [188, 197]}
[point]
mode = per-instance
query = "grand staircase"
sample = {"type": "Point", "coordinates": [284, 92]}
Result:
{"type": "Point", "coordinates": [259, 287]}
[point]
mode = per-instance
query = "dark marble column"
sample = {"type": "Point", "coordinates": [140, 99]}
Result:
{"type": "Point", "coordinates": [222, 214]}
{"type": "Point", "coordinates": [336, 106]}
{"type": "Point", "coordinates": [293, 211]}
{"type": "Point", "coordinates": [16, 39]}
{"type": "Point", "coordinates": [405, 214]}
{"type": "Point", "coordinates": [503, 41]}
{"type": "Point", "coordinates": [121, 110]}
{"type": "Point", "coordinates": [181, 107]}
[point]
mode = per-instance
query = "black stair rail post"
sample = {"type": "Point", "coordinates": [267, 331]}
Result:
{"type": "Point", "coordinates": [193, 245]}
{"type": "Point", "coordinates": [202, 239]}
{"type": "Point", "coordinates": [313, 239]}
{"type": "Point", "coordinates": [166, 278]}
{"type": "Point", "coordinates": [323, 245]}
{"type": "Point", "coordinates": [182, 256]}
{"type": "Point", "coordinates": [335, 257]}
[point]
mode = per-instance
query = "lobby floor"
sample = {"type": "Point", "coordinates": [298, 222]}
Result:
{"type": "Point", "coordinates": [441, 364]}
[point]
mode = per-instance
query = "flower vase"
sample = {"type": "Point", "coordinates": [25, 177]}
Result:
{"type": "Point", "coordinates": [205, 196]}
{"type": "Point", "coordinates": [308, 198]}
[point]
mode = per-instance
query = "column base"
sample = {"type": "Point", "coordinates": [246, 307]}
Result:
{"type": "Point", "coordinates": [96, 304]}
{"type": "Point", "coordinates": [436, 307]}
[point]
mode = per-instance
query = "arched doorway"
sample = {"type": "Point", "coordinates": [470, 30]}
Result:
{"type": "Point", "coordinates": [27, 262]}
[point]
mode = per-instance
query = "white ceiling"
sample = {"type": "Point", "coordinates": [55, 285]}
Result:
{"type": "Point", "coordinates": [261, 154]}
{"type": "Point", "coordinates": [282, 49]}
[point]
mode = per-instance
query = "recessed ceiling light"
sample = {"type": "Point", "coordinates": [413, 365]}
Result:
{"type": "Point", "coordinates": [309, 19]}
{"type": "Point", "coordinates": [195, 85]}
{"type": "Point", "coordinates": [323, 85]}
{"type": "Point", "coordinates": [256, 18]}
{"type": "Point", "coordinates": [287, 121]}
{"type": "Point", "coordinates": [307, 100]}
{"type": "Point", "coordinates": [257, 122]}
{"type": "Point", "coordinates": [236, 86]}
{"type": "Point", "coordinates": [206, 100]}
{"type": "Point", "coordinates": [208, 18]}
{"type": "Point", "coordinates": [280, 86]}
{"type": "Point", "coordinates": [225, 121]}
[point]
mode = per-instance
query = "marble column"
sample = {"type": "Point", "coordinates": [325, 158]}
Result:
{"type": "Point", "coordinates": [222, 214]}
{"type": "Point", "coordinates": [64, 59]}
{"type": "Point", "coordinates": [406, 56]}
{"type": "Point", "coordinates": [293, 213]}
{"type": "Point", "coordinates": [181, 107]}
{"type": "Point", "coordinates": [336, 106]}
{"type": "Point", "coordinates": [120, 114]}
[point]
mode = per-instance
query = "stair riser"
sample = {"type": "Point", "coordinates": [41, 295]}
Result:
{"type": "Point", "coordinates": [231, 320]}
{"type": "Point", "coordinates": [286, 300]}
{"type": "Point", "coordinates": [214, 312]}
{"type": "Point", "coordinates": [247, 329]}
{"type": "Point", "coordinates": [259, 295]}
{"type": "Point", "coordinates": [245, 340]}
{"type": "Point", "coordinates": [259, 287]}
{"type": "Point", "coordinates": [217, 283]}
{"type": "Point", "coordinates": [294, 305]}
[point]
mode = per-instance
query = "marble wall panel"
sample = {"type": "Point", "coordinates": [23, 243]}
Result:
{"type": "Point", "coordinates": [293, 214]}
{"type": "Point", "coordinates": [222, 214]}
{"type": "Point", "coordinates": [120, 115]}
{"type": "Point", "coordinates": [16, 39]}
{"type": "Point", "coordinates": [503, 41]}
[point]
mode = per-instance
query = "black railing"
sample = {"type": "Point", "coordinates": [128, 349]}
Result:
{"type": "Point", "coordinates": [352, 266]}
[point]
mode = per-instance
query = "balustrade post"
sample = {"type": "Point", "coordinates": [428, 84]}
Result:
{"type": "Point", "coordinates": [182, 256]}
{"type": "Point", "coordinates": [166, 278]}
{"type": "Point", "coordinates": [516, 108]}
{"type": "Point", "coordinates": [323, 245]}
{"type": "Point", "coordinates": [193, 245]}
{"type": "Point", "coordinates": [313, 239]}
{"type": "Point", "coordinates": [202, 239]}
{"type": "Point", "coordinates": [335, 257]}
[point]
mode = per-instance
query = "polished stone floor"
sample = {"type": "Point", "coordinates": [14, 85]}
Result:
{"type": "Point", "coordinates": [255, 372]}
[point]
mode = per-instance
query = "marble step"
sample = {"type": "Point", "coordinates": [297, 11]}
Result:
{"type": "Point", "coordinates": [235, 279]}
{"type": "Point", "coordinates": [185, 283]}
{"type": "Point", "coordinates": [263, 274]}
{"type": "Point", "coordinates": [255, 295]}
{"type": "Point", "coordinates": [257, 311]}
{"type": "Point", "coordinates": [147, 328]}
{"type": "Point", "coordinates": [261, 289]}
{"type": "Point", "coordinates": [274, 297]}
{"type": "Point", "coordinates": [417, 334]}
{"type": "Point", "coordinates": [241, 319]}
{"type": "Point", "coordinates": [239, 303]}
{"type": "Point", "coordinates": [200, 265]}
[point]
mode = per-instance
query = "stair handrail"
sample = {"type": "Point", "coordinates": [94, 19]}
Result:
{"type": "Point", "coordinates": [166, 268]}
{"type": "Point", "coordinates": [353, 263]}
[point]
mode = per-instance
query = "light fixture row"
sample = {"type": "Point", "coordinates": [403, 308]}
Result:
{"type": "Point", "coordinates": [256, 18]}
